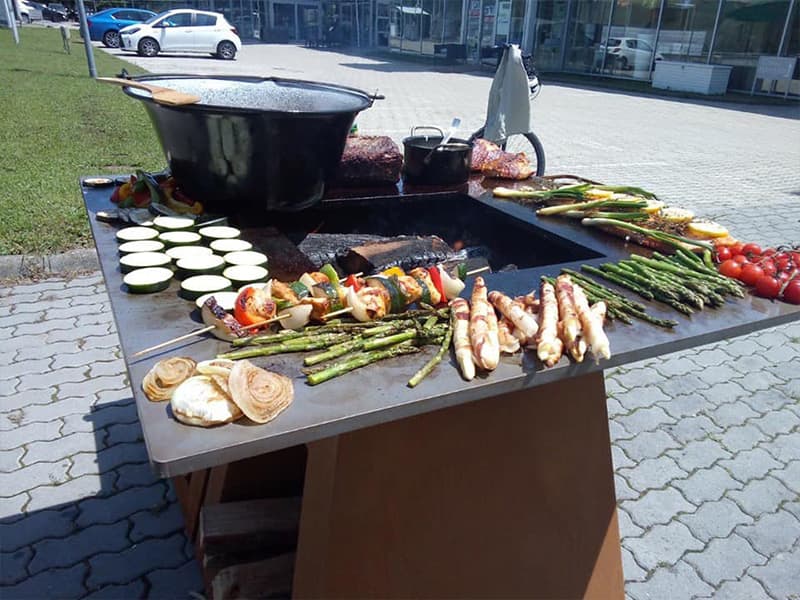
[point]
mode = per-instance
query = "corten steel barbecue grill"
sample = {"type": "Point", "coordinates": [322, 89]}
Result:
{"type": "Point", "coordinates": [498, 487]}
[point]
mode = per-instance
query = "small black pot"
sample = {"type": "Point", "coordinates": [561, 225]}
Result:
{"type": "Point", "coordinates": [427, 162]}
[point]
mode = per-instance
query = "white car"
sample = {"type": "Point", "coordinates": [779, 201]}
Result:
{"type": "Point", "coordinates": [182, 30]}
{"type": "Point", "coordinates": [27, 12]}
{"type": "Point", "coordinates": [631, 51]}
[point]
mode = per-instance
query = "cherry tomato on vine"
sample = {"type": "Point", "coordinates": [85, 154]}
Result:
{"type": "Point", "coordinates": [769, 252]}
{"type": "Point", "coordinates": [730, 268]}
{"type": "Point", "coordinates": [736, 248]}
{"type": "Point", "coordinates": [750, 274]}
{"type": "Point", "coordinates": [751, 250]}
{"type": "Point", "coordinates": [768, 266]}
{"type": "Point", "coordinates": [792, 292]}
{"type": "Point", "coordinates": [783, 263]}
{"type": "Point", "coordinates": [767, 287]}
{"type": "Point", "coordinates": [723, 253]}
{"type": "Point", "coordinates": [740, 258]}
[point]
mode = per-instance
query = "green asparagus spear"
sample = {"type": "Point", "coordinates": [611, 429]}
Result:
{"type": "Point", "coordinates": [295, 345]}
{"type": "Point", "coordinates": [431, 364]}
{"type": "Point", "coordinates": [359, 360]}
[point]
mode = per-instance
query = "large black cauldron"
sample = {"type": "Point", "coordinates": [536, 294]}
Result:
{"type": "Point", "coordinates": [253, 144]}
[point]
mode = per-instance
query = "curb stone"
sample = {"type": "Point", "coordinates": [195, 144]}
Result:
{"type": "Point", "coordinates": [20, 267]}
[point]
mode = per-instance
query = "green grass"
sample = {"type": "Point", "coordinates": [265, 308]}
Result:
{"type": "Point", "coordinates": [57, 124]}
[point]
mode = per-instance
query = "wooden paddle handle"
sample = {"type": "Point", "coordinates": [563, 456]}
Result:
{"type": "Point", "coordinates": [130, 83]}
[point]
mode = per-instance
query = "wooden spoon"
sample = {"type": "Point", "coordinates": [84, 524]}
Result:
{"type": "Point", "coordinates": [159, 94]}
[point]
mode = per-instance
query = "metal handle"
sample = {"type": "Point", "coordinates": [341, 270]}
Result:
{"type": "Point", "coordinates": [414, 130]}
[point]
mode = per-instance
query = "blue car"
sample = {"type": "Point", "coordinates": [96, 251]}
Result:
{"type": "Point", "coordinates": [105, 25]}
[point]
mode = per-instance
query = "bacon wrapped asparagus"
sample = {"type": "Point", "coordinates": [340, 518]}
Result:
{"type": "Point", "coordinates": [509, 343]}
{"type": "Point", "coordinates": [515, 312]}
{"type": "Point", "coordinates": [570, 328]}
{"type": "Point", "coordinates": [592, 321]}
{"type": "Point", "coordinates": [549, 347]}
{"type": "Point", "coordinates": [483, 334]}
{"type": "Point", "coordinates": [459, 315]}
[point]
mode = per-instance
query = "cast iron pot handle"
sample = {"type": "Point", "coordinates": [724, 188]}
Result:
{"type": "Point", "coordinates": [414, 130]}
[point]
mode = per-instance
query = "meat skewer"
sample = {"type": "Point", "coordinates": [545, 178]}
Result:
{"type": "Point", "coordinates": [549, 346]}
{"type": "Point", "coordinates": [483, 334]}
{"type": "Point", "coordinates": [570, 328]}
{"type": "Point", "coordinates": [592, 321]}
{"type": "Point", "coordinates": [459, 315]}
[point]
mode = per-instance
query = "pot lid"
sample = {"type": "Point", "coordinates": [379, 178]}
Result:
{"type": "Point", "coordinates": [261, 94]}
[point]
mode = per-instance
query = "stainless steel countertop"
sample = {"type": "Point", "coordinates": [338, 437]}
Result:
{"type": "Point", "coordinates": [378, 394]}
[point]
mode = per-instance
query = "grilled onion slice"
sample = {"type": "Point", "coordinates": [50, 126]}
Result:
{"type": "Point", "coordinates": [261, 394]}
{"type": "Point", "coordinates": [198, 401]}
{"type": "Point", "coordinates": [166, 375]}
{"type": "Point", "coordinates": [215, 366]}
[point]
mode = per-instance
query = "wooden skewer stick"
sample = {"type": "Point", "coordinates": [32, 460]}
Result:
{"type": "Point", "coordinates": [343, 311]}
{"type": "Point", "coordinates": [201, 332]}
{"type": "Point", "coordinates": [476, 271]}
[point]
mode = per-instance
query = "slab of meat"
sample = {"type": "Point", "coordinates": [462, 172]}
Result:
{"type": "Point", "coordinates": [369, 159]}
{"type": "Point", "coordinates": [493, 161]}
{"type": "Point", "coordinates": [402, 251]}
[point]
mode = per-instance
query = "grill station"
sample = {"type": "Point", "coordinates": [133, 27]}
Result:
{"type": "Point", "coordinates": [498, 487]}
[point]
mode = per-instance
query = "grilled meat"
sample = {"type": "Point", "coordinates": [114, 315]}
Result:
{"type": "Point", "coordinates": [368, 159]}
{"type": "Point", "coordinates": [493, 161]}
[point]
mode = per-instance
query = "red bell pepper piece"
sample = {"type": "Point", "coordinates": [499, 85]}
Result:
{"type": "Point", "coordinates": [436, 278]}
{"type": "Point", "coordinates": [353, 282]}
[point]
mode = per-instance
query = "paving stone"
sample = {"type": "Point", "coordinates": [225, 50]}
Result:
{"type": "Point", "coordinates": [639, 377]}
{"type": "Point", "coordinates": [120, 505]}
{"type": "Point", "coordinates": [26, 368]}
{"type": "Point", "coordinates": [102, 317]}
{"type": "Point", "coordinates": [86, 300]}
{"type": "Point", "coordinates": [676, 366]}
{"type": "Point", "coordinates": [705, 485]}
{"type": "Point", "coordinates": [744, 347]}
{"type": "Point", "coordinates": [13, 565]}
{"type": "Point", "coordinates": [733, 413]}
{"type": "Point", "coordinates": [775, 398]}
{"type": "Point", "coordinates": [641, 397]}
{"type": "Point", "coordinates": [19, 297]}
{"type": "Point", "coordinates": [670, 582]}
{"type": "Point", "coordinates": [724, 393]}
{"type": "Point", "coordinates": [758, 382]}
{"type": "Point", "coordinates": [136, 561]}
{"type": "Point", "coordinates": [724, 559]}
{"type": "Point", "coordinates": [47, 496]}
{"type": "Point", "coordinates": [114, 367]}
{"type": "Point", "coordinates": [29, 433]}
{"type": "Point", "coordinates": [11, 508]}
{"type": "Point", "coordinates": [751, 464]}
{"type": "Point", "coordinates": [617, 431]}
{"type": "Point", "coordinates": [785, 447]}
{"type": "Point", "coordinates": [68, 312]}
{"type": "Point", "coordinates": [777, 422]}
{"type": "Point", "coordinates": [663, 545]}
{"type": "Point", "coordinates": [10, 459]}
{"type": "Point", "coordinates": [63, 447]}
{"type": "Point", "coordinates": [30, 344]}
{"type": "Point", "coordinates": [39, 288]}
{"type": "Point", "coordinates": [699, 454]}
{"type": "Point", "coordinates": [92, 386]}
{"type": "Point", "coordinates": [124, 432]}
{"type": "Point", "coordinates": [623, 490]}
{"type": "Point", "coordinates": [772, 533]}
{"type": "Point", "coordinates": [613, 387]}
{"type": "Point", "coordinates": [26, 478]}
{"type": "Point", "coordinates": [652, 473]}
{"type": "Point", "coordinates": [36, 526]}
{"type": "Point", "coordinates": [136, 475]}
{"type": "Point", "coordinates": [627, 528]}
{"type": "Point", "coordinates": [746, 588]}
{"type": "Point", "coordinates": [688, 429]}
{"type": "Point", "coordinates": [686, 405]}
{"type": "Point", "coordinates": [690, 383]}
{"type": "Point", "coordinates": [715, 519]}
{"type": "Point", "coordinates": [657, 507]}
{"type": "Point", "coordinates": [81, 358]}
{"type": "Point", "coordinates": [779, 575]}
{"type": "Point", "coordinates": [761, 496]}
{"type": "Point", "coordinates": [630, 570]}
{"type": "Point", "coordinates": [168, 584]}
{"type": "Point", "coordinates": [649, 444]}
{"type": "Point", "coordinates": [781, 355]}
{"type": "Point", "coordinates": [710, 358]}
{"type": "Point", "coordinates": [43, 327]}
{"type": "Point", "coordinates": [41, 413]}
{"type": "Point", "coordinates": [741, 437]}
{"type": "Point", "coordinates": [159, 521]}
{"type": "Point", "coordinates": [116, 397]}
{"type": "Point", "coordinates": [108, 341]}
{"type": "Point", "coordinates": [66, 551]}
{"type": "Point", "coordinates": [614, 408]}
{"type": "Point", "coordinates": [134, 589]}
{"type": "Point", "coordinates": [619, 458]}
{"type": "Point", "coordinates": [645, 419]}
{"type": "Point", "coordinates": [55, 583]}
{"type": "Point", "coordinates": [790, 476]}
{"type": "Point", "coordinates": [49, 350]}
{"type": "Point", "coordinates": [108, 459]}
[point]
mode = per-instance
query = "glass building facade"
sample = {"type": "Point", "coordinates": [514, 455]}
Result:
{"type": "Point", "coordinates": [616, 38]}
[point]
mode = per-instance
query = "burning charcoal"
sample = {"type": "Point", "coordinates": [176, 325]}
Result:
{"type": "Point", "coordinates": [321, 248]}
{"type": "Point", "coordinates": [405, 252]}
